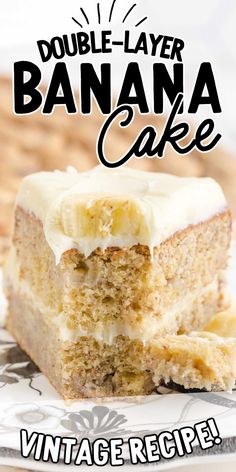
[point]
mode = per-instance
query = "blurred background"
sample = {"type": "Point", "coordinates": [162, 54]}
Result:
{"type": "Point", "coordinates": [36, 142]}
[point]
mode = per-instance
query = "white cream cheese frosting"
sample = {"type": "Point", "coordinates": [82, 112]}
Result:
{"type": "Point", "coordinates": [116, 207]}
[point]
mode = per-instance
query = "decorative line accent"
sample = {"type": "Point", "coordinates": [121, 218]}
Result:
{"type": "Point", "coordinates": [111, 11]}
{"type": "Point", "coordinates": [34, 388]}
{"type": "Point", "coordinates": [128, 12]}
{"type": "Point", "coordinates": [84, 14]}
{"type": "Point", "coordinates": [141, 21]}
{"type": "Point", "coordinates": [99, 14]}
{"type": "Point", "coordinates": [77, 22]}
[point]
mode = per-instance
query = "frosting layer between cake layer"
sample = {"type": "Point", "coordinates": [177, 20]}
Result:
{"type": "Point", "coordinates": [116, 207]}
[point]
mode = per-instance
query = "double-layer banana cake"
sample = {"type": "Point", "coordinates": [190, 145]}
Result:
{"type": "Point", "coordinates": [110, 270]}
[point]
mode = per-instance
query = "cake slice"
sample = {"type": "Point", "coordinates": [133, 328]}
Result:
{"type": "Point", "coordinates": [105, 262]}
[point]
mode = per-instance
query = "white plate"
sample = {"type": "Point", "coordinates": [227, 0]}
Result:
{"type": "Point", "coordinates": [27, 400]}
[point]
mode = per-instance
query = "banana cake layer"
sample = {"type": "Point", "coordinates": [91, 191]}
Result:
{"type": "Point", "coordinates": [112, 261]}
{"type": "Point", "coordinates": [90, 368]}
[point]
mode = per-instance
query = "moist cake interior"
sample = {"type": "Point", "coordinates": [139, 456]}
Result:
{"type": "Point", "coordinates": [119, 319]}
